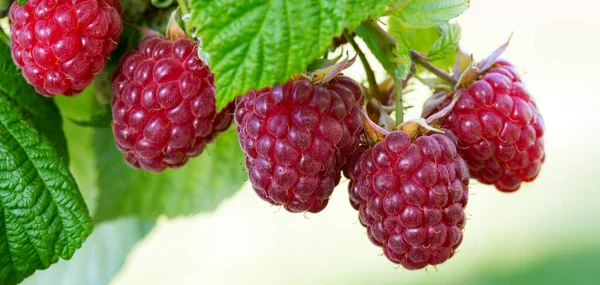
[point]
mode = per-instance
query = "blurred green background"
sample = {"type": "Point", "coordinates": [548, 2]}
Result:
{"type": "Point", "coordinates": [546, 233]}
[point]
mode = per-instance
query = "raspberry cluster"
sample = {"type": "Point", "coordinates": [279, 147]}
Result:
{"type": "Point", "coordinates": [164, 105]}
{"type": "Point", "coordinates": [408, 180]}
{"type": "Point", "coordinates": [411, 196]}
{"type": "Point", "coordinates": [297, 137]}
{"type": "Point", "coordinates": [499, 129]}
{"type": "Point", "coordinates": [60, 45]}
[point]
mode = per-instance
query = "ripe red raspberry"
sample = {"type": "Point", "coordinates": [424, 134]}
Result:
{"type": "Point", "coordinates": [411, 197]}
{"type": "Point", "coordinates": [164, 105]}
{"type": "Point", "coordinates": [60, 45]}
{"type": "Point", "coordinates": [297, 137]}
{"type": "Point", "coordinates": [499, 129]}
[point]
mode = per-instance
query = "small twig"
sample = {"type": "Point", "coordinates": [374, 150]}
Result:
{"type": "Point", "coordinates": [421, 59]}
{"type": "Point", "coordinates": [373, 87]}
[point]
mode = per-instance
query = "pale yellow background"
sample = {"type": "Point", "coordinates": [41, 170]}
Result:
{"type": "Point", "coordinates": [556, 46]}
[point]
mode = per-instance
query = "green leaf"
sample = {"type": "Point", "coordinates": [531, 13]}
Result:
{"type": "Point", "coordinates": [22, 2]}
{"type": "Point", "coordinates": [383, 53]}
{"type": "Point", "coordinates": [100, 258]}
{"type": "Point", "coordinates": [42, 214]}
{"type": "Point", "coordinates": [42, 110]}
{"type": "Point", "coordinates": [430, 13]}
{"type": "Point", "coordinates": [402, 54]}
{"type": "Point", "coordinates": [422, 40]}
{"type": "Point", "coordinates": [447, 44]}
{"type": "Point", "coordinates": [258, 43]}
{"type": "Point", "coordinates": [199, 186]}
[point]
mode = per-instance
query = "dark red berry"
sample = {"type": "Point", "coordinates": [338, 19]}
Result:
{"type": "Point", "coordinates": [411, 197]}
{"type": "Point", "coordinates": [499, 129]}
{"type": "Point", "coordinates": [164, 105]}
{"type": "Point", "coordinates": [297, 137]}
{"type": "Point", "coordinates": [60, 45]}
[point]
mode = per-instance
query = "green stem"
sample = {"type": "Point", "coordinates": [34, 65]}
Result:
{"type": "Point", "coordinates": [399, 102]}
{"type": "Point", "coordinates": [421, 59]}
{"type": "Point", "coordinates": [373, 87]}
{"type": "Point", "coordinates": [183, 8]}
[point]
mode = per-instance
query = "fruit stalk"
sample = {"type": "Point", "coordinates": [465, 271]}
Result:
{"type": "Point", "coordinates": [373, 87]}
{"type": "Point", "coordinates": [422, 60]}
{"type": "Point", "coordinates": [183, 8]}
{"type": "Point", "coordinates": [399, 102]}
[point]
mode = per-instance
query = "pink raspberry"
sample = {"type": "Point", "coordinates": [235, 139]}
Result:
{"type": "Point", "coordinates": [297, 137]}
{"type": "Point", "coordinates": [60, 45]}
{"type": "Point", "coordinates": [411, 197]}
{"type": "Point", "coordinates": [499, 129]}
{"type": "Point", "coordinates": [164, 105]}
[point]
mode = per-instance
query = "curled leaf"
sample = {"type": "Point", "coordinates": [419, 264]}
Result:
{"type": "Point", "coordinates": [472, 71]}
{"type": "Point", "coordinates": [486, 63]}
{"type": "Point", "coordinates": [149, 32]}
{"type": "Point", "coordinates": [374, 132]}
{"type": "Point", "coordinates": [463, 60]}
{"type": "Point", "coordinates": [174, 31]}
{"type": "Point", "coordinates": [433, 103]}
{"type": "Point", "coordinates": [417, 127]}
{"type": "Point", "coordinates": [468, 75]}
{"type": "Point", "coordinates": [326, 74]}
{"type": "Point", "coordinates": [436, 118]}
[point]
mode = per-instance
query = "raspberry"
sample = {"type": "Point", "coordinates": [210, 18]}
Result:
{"type": "Point", "coordinates": [499, 129]}
{"type": "Point", "coordinates": [164, 105]}
{"type": "Point", "coordinates": [297, 137]}
{"type": "Point", "coordinates": [60, 45]}
{"type": "Point", "coordinates": [411, 197]}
